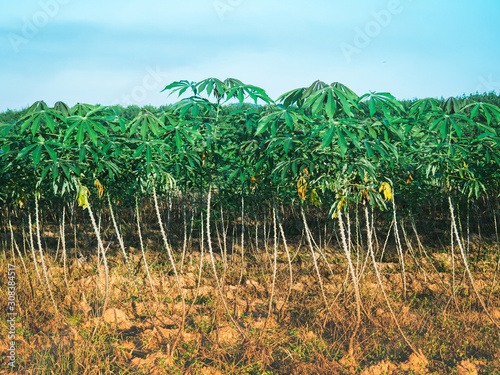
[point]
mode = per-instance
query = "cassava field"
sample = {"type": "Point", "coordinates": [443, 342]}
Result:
{"type": "Point", "coordinates": [319, 233]}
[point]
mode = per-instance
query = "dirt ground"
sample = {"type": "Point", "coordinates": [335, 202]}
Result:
{"type": "Point", "coordinates": [180, 324]}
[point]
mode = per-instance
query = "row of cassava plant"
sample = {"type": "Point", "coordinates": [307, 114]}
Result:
{"type": "Point", "coordinates": [335, 159]}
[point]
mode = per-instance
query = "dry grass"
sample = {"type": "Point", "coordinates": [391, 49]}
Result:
{"type": "Point", "coordinates": [143, 336]}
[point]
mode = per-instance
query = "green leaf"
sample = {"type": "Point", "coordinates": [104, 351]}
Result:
{"type": "Point", "coordinates": [66, 171]}
{"type": "Point", "coordinates": [318, 104]}
{"type": "Point", "coordinates": [457, 128]}
{"type": "Point", "coordinates": [196, 110]}
{"type": "Point", "coordinates": [92, 134]}
{"type": "Point", "coordinates": [185, 108]}
{"type": "Point", "coordinates": [475, 110]}
{"type": "Point", "coordinates": [368, 149]}
{"type": "Point", "coordinates": [285, 170]}
{"type": "Point", "coordinates": [55, 172]}
{"type": "Point", "coordinates": [435, 123]}
{"type": "Point", "coordinates": [186, 135]}
{"type": "Point", "coordinates": [134, 125]}
{"type": "Point", "coordinates": [25, 150]}
{"type": "Point", "coordinates": [353, 138]}
{"type": "Point", "coordinates": [346, 105]}
{"type": "Point", "coordinates": [372, 106]}
{"type": "Point", "coordinates": [178, 140]}
{"type": "Point", "coordinates": [242, 177]}
{"type": "Point", "coordinates": [50, 122]}
{"type": "Point", "coordinates": [287, 145]}
{"type": "Point", "coordinates": [144, 127]}
{"type": "Point", "coordinates": [138, 150]}
{"type": "Point", "coordinates": [342, 143]}
{"type": "Point", "coordinates": [80, 134]}
{"type": "Point", "coordinates": [37, 154]}
{"type": "Point", "coordinates": [373, 133]}
{"type": "Point", "coordinates": [52, 153]}
{"type": "Point", "coordinates": [35, 125]}
{"type": "Point", "coordinates": [234, 173]}
{"type": "Point", "coordinates": [44, 172]}
{"type": "Point", "coordinates": [488, 116]}
{"type": "Point", "coordinates": [328, 136]}
{"type": "Point", "coordinates": [295, 167]}
{"type": "Point", "coordinates": [82, 153]}
{"type": "Point", "coordinates": [149, 154]}
{"type": "Point", "coordinates": [153, 125]}
{"type": "Point", "coordinates": [380, 150]}
{"type": "Point", "coordinates": [288, 119]}
{"type": "Point", "coordinates": [331, 105]}
{"type": "Point", "coordinates": [444, 130]}
{"type": "Point", "coordinates": [265, 121]}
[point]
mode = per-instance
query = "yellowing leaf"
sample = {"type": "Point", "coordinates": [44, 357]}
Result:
{"type": "Point", "coordinates": [315, 200]}
{"type": "Point", "coordinates": [100, 188]}
{"type": "Point", "coordinates": [386, 189]}
{"type": "Point", "coordinates": [19, 202]}
{"type": "Point", "coordinates": [302, 187]}
{"type": "Point", "coordinates": [339, 207]}
{"type": "Point", "coordinates": [410, 179]}
{"type": "Point", "coordinates": [83, 197]}
{"type": "Point", "coordinates": [364, 195]}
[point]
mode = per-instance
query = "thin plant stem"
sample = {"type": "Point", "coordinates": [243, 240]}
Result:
{"type": "Point", "coordinates": [313, 254]}
{"type": "Point", "coordinates": [219, 288]}
{"type": "Point", "coordinates": [399, 247]}
{"type": "Point", "coordinates": [44, 267]}
{"type": "Point", "coordinates": [101, 251]}
{"type": "Point", "coordinates": [347, 251]}
{"type": "Point", "coordinates": [290, 268]}
{"type": "Point", "coordinates": [275, 260]}
{"type": "Point", "coordinates": [35, 261]}
{"type": "Point", "coordinates": [139, 232]}
{"type": "Point", "coordinates": [379, 279]}
{"type": "Point", "coordinates": [466, 264]}
{"type": "Point", "coordinates": [63, 239]}
{"type": "Point", "coordinates": [177, 279]}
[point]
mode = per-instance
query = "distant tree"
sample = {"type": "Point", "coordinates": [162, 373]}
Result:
{"type": "Point", "coordinates": [10, 116]}
{"type": "Point", "coordinates": [129, 112]}
{"type": "Point", "coordinates": [491, 98]}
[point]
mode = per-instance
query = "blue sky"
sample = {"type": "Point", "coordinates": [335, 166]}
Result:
{"type": "Point", "coordinates": [126, 52]}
